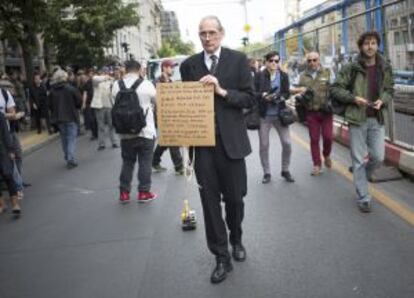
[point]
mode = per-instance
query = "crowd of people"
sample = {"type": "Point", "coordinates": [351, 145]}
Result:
{"type": "Point", "coordinates": [108, 97]}
{"type": "Point", "coordinates": [60, 102]}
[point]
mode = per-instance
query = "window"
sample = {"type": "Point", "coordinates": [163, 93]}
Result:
{"type": "Point", "coordinates": [404, 21]}
{"type": "Point", "coordinates": [397, 38]}
{"type": "Point", "coordinates": [394, 23]}
{"type": "Point", "coordinates": [405, 37]}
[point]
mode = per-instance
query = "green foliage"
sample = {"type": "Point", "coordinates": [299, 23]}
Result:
{"type": "Point", "coordinates": [251, 47]}
{"type": "Point", "coordinates": [19, 18]}
{"type": "Point", "coordinates": [175, 46]}
{"type": "Point", "coordinates": [20, 21]}
{"type": "Point", "coordinates": [80, 40]}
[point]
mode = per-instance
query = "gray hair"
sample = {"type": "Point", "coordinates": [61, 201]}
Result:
{"type": "Point", "coordinates": [213, 18]}
{"type": "Point", "coordinates": [60, 76]}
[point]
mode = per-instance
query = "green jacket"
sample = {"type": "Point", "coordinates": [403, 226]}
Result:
{"type": "Point", "coordinates": [355, 71]}
{"type": "Point", "coordinates": [319, 85]}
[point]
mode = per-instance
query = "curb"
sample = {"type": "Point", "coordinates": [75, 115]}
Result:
{"type": "Point", "coordinates": [394, 155]}
{"type": "Point", "coordinates": [33, 148]}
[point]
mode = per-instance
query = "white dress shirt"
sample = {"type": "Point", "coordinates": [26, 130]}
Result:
{"type": "Point", "coordinates": [207, 57]}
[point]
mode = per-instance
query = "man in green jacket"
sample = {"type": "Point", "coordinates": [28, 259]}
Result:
{"type": "Point", "coordinates": [366, 87]}
{"type": "Point", "coordinates": [318, 117]}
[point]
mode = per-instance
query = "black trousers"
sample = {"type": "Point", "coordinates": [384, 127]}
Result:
{"type": "Point", "coordinates": [38, 115]}
{"type": "Point", "coordinates": [90, 121]}
{"type": "Point", "coordinates": [9, 181]}
{"type": "Point", "coordinates": [131, 150]}
{"type": "Point", "coordinates": [174, 153]}
{"type": "Point", "coordinates": [221, 179]}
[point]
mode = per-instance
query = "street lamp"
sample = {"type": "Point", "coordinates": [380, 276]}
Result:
{"type": "Point", "coordinates": [245, 40]}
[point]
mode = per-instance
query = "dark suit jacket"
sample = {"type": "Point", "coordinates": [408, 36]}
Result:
{"type": "Point", "coordinates": [233, 74]}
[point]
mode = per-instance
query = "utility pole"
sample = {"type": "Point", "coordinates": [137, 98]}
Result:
{"type": "Point", "coordinates": [245, 40]}
{"type": "Point", "coordinates": [292, 9]}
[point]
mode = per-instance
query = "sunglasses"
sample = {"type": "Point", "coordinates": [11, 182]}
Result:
{"type": "Point", "coordinates": [312, 60]}
{"type": "Point", "coordinates": [273, 60]}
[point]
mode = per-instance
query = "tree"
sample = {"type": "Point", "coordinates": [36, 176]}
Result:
{"type": "Point", "coordinates": [173, 46]}
{"type": "Point", "coordinates": [81, 39]}
{"type": "Point", "coordinates": [252, 47]}
{"type": "Point", "coordinates": [20, 21]}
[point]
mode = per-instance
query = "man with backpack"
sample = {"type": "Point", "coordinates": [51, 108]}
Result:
{"type": "Point", "coordinates": [133, 119]}
{"type": "Point", "coordinates": [365, 87]}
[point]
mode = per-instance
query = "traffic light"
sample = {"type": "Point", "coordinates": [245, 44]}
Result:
{"type": "Point", "coordinates": [245, 41]}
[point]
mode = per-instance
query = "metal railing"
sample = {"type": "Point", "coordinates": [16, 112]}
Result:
{"type": "Point", "coordinates": [400, 127]}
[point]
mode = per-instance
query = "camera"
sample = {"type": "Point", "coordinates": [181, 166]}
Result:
{"type": "Point", "coordinates": [274, 95]}
{"type": "Point", "coordinates": [306, 96]}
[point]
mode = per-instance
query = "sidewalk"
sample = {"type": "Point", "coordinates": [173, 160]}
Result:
{"type": "Point", "coordinates": [395, 195]}
{"type": "Point", "coordinates": [32, 141]}
{"type": "Point", "coordinates": [394, 155]}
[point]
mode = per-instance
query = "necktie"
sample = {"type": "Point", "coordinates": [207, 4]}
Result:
{"type": "Point", "coordinates": [213, 66]}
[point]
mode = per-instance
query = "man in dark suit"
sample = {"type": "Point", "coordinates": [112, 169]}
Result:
{"type": "Point", "coordinates": [221, 170]}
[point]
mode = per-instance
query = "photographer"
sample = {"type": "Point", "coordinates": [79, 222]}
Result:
{"type": "Point", "coordinates": [272, 85]}
{"type": "Point", "coordinates": [314, 96]}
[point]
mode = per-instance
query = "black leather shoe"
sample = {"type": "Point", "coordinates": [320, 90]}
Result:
{"type": "Point", "coordinates": [220, 272]}
{"type": "Point", "coordinates": [239, 253]}
{"type": "Point", "coordinates": [266, 178]}
{"type": "Point", "coordinates": [288, 177]}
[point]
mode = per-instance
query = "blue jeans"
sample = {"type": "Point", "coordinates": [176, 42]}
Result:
{"type": "Point", "coordinates": [368, 139]}
{"type": "Point", "coordinates": [68, 135]}
{"type": "Point", "coordinates": [18, 180]}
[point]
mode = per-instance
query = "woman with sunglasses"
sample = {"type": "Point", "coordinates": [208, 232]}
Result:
{"type": "Point", "coordinates": [273, 78]}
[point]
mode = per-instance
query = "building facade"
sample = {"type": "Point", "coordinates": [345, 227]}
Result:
{"type": "Point", "coordinates": [169, 25]}
{"type": "Point", "coordinates": [139, 42]}
{"type": "Point", "coordinates": [400, 35]}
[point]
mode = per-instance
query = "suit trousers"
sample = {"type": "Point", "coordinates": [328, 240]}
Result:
{"type": "Point", "coordinates": [221, 179]}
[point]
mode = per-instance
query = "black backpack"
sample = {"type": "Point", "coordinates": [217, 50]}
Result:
{"type": "Point", "coordinates": [128, 117]}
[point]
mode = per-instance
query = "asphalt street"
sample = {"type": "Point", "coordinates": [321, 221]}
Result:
{"type": "Point", "coordinates": [305, 239]}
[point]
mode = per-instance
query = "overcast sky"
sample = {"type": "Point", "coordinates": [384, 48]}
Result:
{"type": "Point", "coordinates": [264, 16]}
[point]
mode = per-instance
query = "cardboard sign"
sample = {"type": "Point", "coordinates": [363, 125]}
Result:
{"type": "Point", "coordinates": [185, 114]}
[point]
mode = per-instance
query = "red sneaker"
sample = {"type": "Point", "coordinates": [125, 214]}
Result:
{"type": "Point", "coordinates": [124, 197]}
{"type": "Point", "coordinates": [146, 196]}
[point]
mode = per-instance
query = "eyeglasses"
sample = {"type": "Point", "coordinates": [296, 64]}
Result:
{"type": "Point", "coordinates": [312, 60]}
{"type": "Point", "coordinates": [273, 60]}
{"type": "Point", "coordinates": [205, 34]}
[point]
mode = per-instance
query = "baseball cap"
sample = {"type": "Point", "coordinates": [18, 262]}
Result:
{"type": "Point", "coordinates": [168, 62]}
